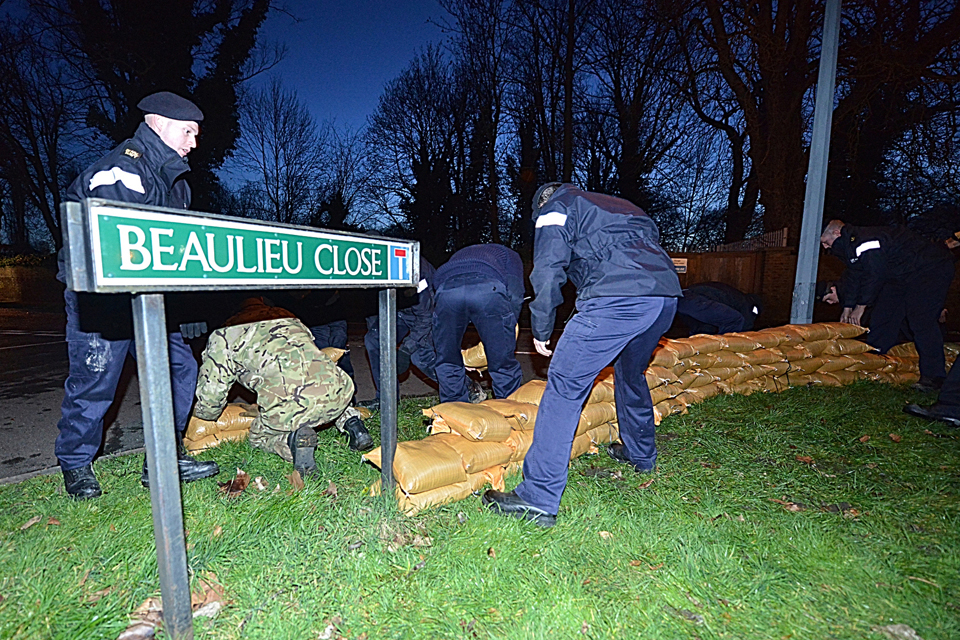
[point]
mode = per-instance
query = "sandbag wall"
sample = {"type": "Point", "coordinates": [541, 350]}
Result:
{"type": "Point", "coordinates": [471, 446]}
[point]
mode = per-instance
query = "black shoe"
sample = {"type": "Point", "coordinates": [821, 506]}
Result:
{"type": "Point", "coordinates": [936, 411]}
{"type": "Point", "coordinates": [360, 439]}
{"type": "Point", "coordinates": [303, 446]}
{"type": "Point", "coordinates": [81, 483]}
{"type": "Point", "coordinates": [508, 503]}
{"type": "Point", "coordinates": [477, 393]}
{"type": "Point", "coordinates": [190, 468]}
{"type": "Point", "coordinates": [619, 453]}
{"type": "Point", "coordinates": [927, 384]}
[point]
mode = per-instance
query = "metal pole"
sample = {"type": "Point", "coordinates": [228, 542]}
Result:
{"type": "Point", "coordinates": [809, 252]}
{"type": "Point", "coordinates": [389, 389]}
{"type": "Point", "coordinates": [153, 367]}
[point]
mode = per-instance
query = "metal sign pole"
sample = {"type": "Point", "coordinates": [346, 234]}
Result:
{"type": "Point", "coordinates": [389, 389]}
{"type": "Point", "coordinates": [153, 367]}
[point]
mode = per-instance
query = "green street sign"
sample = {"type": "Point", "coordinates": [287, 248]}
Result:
{"type": "Point", "coordinates": [122, 247]}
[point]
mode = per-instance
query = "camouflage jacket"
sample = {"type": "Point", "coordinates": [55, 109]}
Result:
{"type": "Point", "coordinates": [275, 358]}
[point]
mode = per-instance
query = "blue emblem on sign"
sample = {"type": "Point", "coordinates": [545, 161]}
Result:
{"type": "Point", "coordinates": [399, 263]}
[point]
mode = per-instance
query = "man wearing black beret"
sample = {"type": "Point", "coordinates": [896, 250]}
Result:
{"type": "Point", "coordinates": [146, 169]}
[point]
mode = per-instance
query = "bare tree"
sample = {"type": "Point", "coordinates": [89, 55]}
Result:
{"type": "Point", "coordinates": [345, 201]}
{"type": "Point", "coordinates": [284, 148]}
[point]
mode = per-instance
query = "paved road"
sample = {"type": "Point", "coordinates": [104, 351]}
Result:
{"type": "Point", "coordinates": [33, 367]}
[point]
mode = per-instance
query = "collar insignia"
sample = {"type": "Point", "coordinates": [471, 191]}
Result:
{"type": "Point", "coordinates": [133, 153]}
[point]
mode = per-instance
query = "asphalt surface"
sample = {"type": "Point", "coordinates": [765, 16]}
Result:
{"type": "Point", "coordinates": [33, 368]}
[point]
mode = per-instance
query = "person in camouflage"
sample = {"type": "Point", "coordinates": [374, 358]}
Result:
{"type": "Point", "coordinates": [269, 351]}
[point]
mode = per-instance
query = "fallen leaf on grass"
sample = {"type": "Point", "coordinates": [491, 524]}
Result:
{"type": "Point", "coordinates": [331, 490]}
{"type": "Point", "coordinates": [492, 552]}
{"type": "Point", "coordinates": [898, 632]}
{"type": "Point", "coordinates": [584, 629]}
{"type": "Point", "coordinates": [865, 439]}
{"type": "Point", "coordinates": [145, 621]}
{"type": "Point", "coordinates": [895, 437]}
{"type": "Point", "coordinates": [29, 523]}
{"type": "Point", "coordinates": [113, 528]}
{"type": "Point", "coordinates": [52, 521]}
{"type": "Point", "coordinates": [606, 535]}
{"type": "Point", "coordinates": [684, 613]}
{"type": "Point", "coordinates": [83, 580]}
{"type": "Point", "coordinates": [217, 531]}
{"type": "Point", "coordinates": [260, 484]}
{"type": "Point", "coordinates": [238, 485]}
{"type": "Point", "coordinates": [296, 482]}
{"type": "Point", "coordinates": [646, 484]}
{"type": "Point", "coordinates": [709, 465]}
{"type": "Point", "coordinates": [805, 459]}
{"type": "Point", "coordinates": [355, 545]}
{"type": "Point", "coordinates": [789, 506]}
{"type": "Point", "coordinates": [842, 507]}
{"type": "Point", "coordinates": [332, 629]}
{"type": "Point", "coordinates": [635, 563]}
{"type": "Point", "coordinates": [209, 598]}
{"type": "Point", "coordinates": [97, 595]}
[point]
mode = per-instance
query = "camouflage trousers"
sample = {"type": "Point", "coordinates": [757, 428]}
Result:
{"type": "Point", "coordinates": [271, 434]}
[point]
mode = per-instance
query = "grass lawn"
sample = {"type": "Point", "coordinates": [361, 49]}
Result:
{"type": "Point", "coordinates": [816, 513]}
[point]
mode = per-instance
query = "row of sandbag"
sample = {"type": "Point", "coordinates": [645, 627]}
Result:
{"type": "Point", "coordinates": [690, 370]}
{"type": "Point", "coordinates": [474, 445]}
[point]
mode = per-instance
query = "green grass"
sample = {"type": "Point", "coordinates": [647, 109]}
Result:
{"type": "Point", "coordinates": [702, 552]}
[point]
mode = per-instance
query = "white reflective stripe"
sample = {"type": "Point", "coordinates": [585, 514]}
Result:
{"type": "Point", "coordinates": [552, 219]}
{"type": "Point", "coordinates": [106, 178]}
{"type": "Point", "coordinates": [756, 311]}
{"type": "Point", "coordinates": [421, 286]}
{"type": "Point", "coordinates": [866, 246]}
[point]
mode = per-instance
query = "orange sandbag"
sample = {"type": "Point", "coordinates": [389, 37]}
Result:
{"type": "Point", "coordinates": [775, 369]}
{"type": "Point", "coordinates": [868, 362]}
{"type": "Point", "coordinates": [213, 440]}
{"type": "Point", "coordinates": [811, 332]}
{"type": "Point", "coordinates": [236, 416]}
{"type": "Point", "coordinates": [693, 379]}
{"type": "Point", "coordinates": [682, 348]}
{"type": "Point", "coordinates": [761, 356]}
{"type": "Point", "coordinates": [413, 503]}
{"type": "Point", "coordinates": [604, 434]}
{"type": "Point", "coordinates": [705, 343]}
{"type": "Point", "coordinates": [520, 415]}
{"type": "Point", "coordinates": [807, 365]}
{"type": "Point", "coordinates": [664, 357]}
{"type": "Point", "coordinates": [593, 415]}
{"type": "Point", "coordinates": [848, 347]}
{"type": "Point", "coordinates": [717, 359]}
{"type": "Point", "coordinates": [530, 392]}
{"type": "Point", "coordinates": [663, 392]}
{"type": "Point", "coordinates": [581, 445]}
{"type": "Point", "coordinates": [764, 338]}
{"type": "Point", "coordinates": [473, 421]}
{"type": "Point", "coordinates": [601, 392]}
{"type": "Point", "coordinates": [422, 465]}
{"type": "Point", "coordinates": [835, 363]}
{"type": "Point", "coordinates": [738, 342]}
{"type": "Point", "coordinates": [657, 375]}
{"type": "Point", "coordinates": [843, 330]}
{"type": "Point", "coordinates": [477, 456]}
{"type": "Point", "coordinates": [520, 442]}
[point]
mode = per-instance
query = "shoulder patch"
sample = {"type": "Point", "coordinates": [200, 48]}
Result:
{"type": "Point", "coordinates": [131, 152]}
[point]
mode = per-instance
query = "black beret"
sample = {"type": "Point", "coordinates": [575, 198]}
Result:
{"type": "Point", "coordinates": [170, 105]}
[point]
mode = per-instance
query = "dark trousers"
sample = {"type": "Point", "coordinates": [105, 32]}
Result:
{"type": "Point", "coordinates": [95, 367]}
{"type": "Point", "coordinates": [419, 352]}
{"type": "Point", "coordinates": [622, 330]}
{"type": "Point", "coordinates": [917, 303]}
{"type": "Point", "coordinates": [334, 334]}
{"type": "Point", "coordinates": [703, 315]}
{"type": "Point", "coordinates": [485, 303]}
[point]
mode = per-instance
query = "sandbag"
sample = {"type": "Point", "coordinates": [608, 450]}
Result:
{"type": "Point", "coordinates": [705, 343]}
{"type": "Point", "coordinates": [681, 347]}
{"type": "Point", "coordinates": [746, 372]}
{"type": "Point", "coordinates": [793, 352]}
{"type": "Point", "coordinates": [661, 393]}
{"type": "Point", "coordinates": [520, 415]}
{"type": "Point", "coordinates": [477, 456]}
{"type": "Point", "coordinates": [422, 465]}
{"type": "Point", "coordinates": [601, 392]}
{"type": "Point", "coordinates": [473, 421]}
{"type": "Point", "coordinates": [763, 338]}
{"type": "Point", "coordinates": [530, 392]}
{"type": "Point", "coordinates": [848, 347]}
{"type": "Point", "coordinates": [657, 375]}
{"type": "Point", "coordinates": [694, 379]}
{"type": "Point", "coordinates": [582, 444]}
{"type": "Point", "coordinates": [738, 342]}
{"type": "Point", "coordinates": [835, 363]}
{"type": "Point", "coordinates": [868, 362]}
{"type": "Point", "coordinates": [699, 394]}
{"type": "Point", "coordinates": [606, 433]}
{"type": "Point", "coordinates": [411, 504]}
{"type": "Point", "coordinates": [333, 353]}
{"type": "Point", "coordinates": [716, 359]}
{"type": "Point", "coordinates": [476, 356]}
{"type": "Point", "coordinates": [811, 332]}
{"type": "Point", "coordinates": [520, 442]}
{"type": "Point", "coordinates": [815, 347]}
{"type": "Point", "coordinates": [807, 365]}
{"type": "Point", "coordinates": [842, 330]}
{"type": "Point", "coordinates": [664, 357]}
{"type": "Point", "coordinates": [761, 356]}
{"type": "Point", "coordinates": [787, 336]}
{"type": "Point", "coordinates": [236, 416]}
{"type": "Point", "coordinates": [593, 415]}
{"type": "Point", "coordinates": [721, 373]}
{"type": "Point", "coordinates": [774, 369]}
{"type": "Point", "coordinates": [213, 440]}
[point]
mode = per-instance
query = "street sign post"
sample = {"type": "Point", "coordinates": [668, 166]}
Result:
{"type": "Point", "coordinates": [113, 247]}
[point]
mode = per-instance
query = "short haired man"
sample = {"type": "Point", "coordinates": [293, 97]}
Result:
{"type": "Point", "coordinates": [146, 169]}
{"type": "Point", "coordinates": [905, 278]}
{"type": "Point", "coordinates": [627, 290]}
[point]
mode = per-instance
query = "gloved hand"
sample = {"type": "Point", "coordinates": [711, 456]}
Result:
{"type": "Point", "coordinates": [191, 330]}
{"type": "Point", "coordinates": [541, 348]}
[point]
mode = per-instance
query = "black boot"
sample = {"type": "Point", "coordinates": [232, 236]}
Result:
{"type": "Point", "coordinates": [190, 468]}
{"type": "Point", "coordinates": [81, 483]}
{"type": "Point", "coordinates": [303, 446]}
{"type": "Point", "coordinates": [360, 439]}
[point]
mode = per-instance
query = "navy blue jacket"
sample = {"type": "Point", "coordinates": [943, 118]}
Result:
{"type": "Point", "coordinates": [746, 304]}
{"type": "Point", "coordinates": [877, 255]}
{"type": "Point", "coordinates": [606, 246]}
{"type": "Point", "coordinates": [493, 260]}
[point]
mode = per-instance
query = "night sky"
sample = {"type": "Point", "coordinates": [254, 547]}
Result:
{"type": "Point", "coordinates": [343, 51]}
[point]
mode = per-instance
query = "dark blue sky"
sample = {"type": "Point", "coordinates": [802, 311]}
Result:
{"type": "Point", "coordinates": [343, 52]}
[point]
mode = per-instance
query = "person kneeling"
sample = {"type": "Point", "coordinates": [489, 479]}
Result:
{"type": "Point", "coordinates": [269, 351]}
